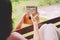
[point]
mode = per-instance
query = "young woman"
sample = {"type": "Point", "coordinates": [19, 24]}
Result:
{"type": "Point", "coordinates": [46, 32]}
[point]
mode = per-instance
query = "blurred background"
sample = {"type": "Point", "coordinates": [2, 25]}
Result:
{"type": "Point", "coordinates": [45, 7]}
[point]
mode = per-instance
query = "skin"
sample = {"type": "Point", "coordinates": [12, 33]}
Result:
{"type": "Point", "coordinates": [35, 20]}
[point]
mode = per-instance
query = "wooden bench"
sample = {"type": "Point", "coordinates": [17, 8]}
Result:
{"type": "Point", "coordinates": [30, 28]}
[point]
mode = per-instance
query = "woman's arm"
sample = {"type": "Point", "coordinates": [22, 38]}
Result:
{"type": "Point", "coordinates": [19, 25]}
{"type": "Point", "coordinates": [36, 30]}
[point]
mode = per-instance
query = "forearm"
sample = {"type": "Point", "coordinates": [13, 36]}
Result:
{"type": "Point", "coordinates": [36, 32]}
{"type": "Point", "coordinates": [19, 25]}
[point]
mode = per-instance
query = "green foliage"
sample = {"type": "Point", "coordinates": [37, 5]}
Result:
{"type": "Point", "coordinates": [18, 8]}
{"type": "Point", "coordinates": [15, 0]}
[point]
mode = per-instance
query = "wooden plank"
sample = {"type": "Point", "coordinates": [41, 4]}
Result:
{"type": "Point", "coordinates": [30, 28]}
{"type": "Point", "coordinates": [29, 37]}
{"type": "Point", "coordinates": [58, 26]}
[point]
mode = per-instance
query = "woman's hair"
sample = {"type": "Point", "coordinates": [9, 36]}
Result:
{"type": "Point", "coordinates": [5, 19]}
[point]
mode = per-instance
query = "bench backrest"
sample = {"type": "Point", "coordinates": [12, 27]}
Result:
{"type": "Point", "coordinates": [30, 28]}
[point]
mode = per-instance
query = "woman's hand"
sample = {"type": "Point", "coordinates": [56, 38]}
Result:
{"type": "Point", "coordinates": [35, 19]}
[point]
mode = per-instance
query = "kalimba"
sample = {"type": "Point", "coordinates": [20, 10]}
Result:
{"type": "Point", "coordinates": [30, 10]}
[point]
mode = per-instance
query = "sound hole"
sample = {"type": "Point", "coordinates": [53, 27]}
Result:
{"type": "Point", "coordinates": [29, 17]}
